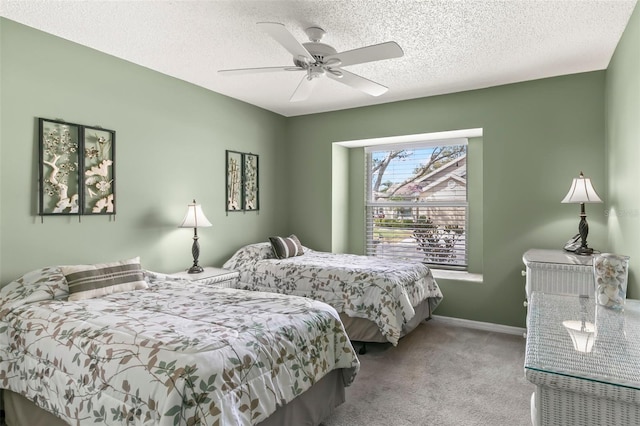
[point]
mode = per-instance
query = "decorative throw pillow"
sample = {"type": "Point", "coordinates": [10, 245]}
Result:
{"type": "Point", "coordinates": [89, 281]}
{"type": "Point", "coordinates": [285, 247]}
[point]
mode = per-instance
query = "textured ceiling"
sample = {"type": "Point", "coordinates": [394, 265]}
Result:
{"type": "Point", "coordinates": [449, 45]}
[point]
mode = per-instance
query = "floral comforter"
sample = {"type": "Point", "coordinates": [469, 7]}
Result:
{"type": "Point", "coordinates": [383, 291]}
{"type": "Point", "coordinates": [177, 353]}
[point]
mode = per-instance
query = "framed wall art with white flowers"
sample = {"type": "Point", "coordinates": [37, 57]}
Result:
{"type": "Point", "coordinates": [234, 181]}
{"type": "Point", "coordinates": [59, 168]}
{"type": "Point", "coordinates": [250, 195]}
{"type": "Point", "coordinates": [98, 171]}
{"type": "Point", "coordinates": [77, 174]}
{"type": "Point", "coordinates": [242, 185]}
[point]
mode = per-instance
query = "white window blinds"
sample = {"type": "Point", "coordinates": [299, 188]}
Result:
{"type": "Point", "coordinates": [416, 202]}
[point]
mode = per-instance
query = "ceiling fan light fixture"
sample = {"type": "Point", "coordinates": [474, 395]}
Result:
{"type": "Point", "coordinates": [316, 71]}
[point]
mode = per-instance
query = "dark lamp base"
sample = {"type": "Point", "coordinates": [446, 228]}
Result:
{"type": "Point", "coordinates": [584, 251]}
{"type": "Point", "coordinates": [195, 269]}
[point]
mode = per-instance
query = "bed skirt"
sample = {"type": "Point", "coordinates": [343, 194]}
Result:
{"type": "Point", "coordinates": [365, 330]}
{"type": "Point", "coordinates": [307, 409]}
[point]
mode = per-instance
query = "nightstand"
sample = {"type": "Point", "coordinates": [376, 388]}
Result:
{"type": "Point", "coordinates": [215, 276]}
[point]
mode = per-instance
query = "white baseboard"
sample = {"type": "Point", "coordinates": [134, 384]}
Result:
{"type": "Point", "coordinates": [478, 325]}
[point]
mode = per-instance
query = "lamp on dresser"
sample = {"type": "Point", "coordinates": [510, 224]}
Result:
{"type": "Point", "coordinates": [582, 192]}
{"type": "Point", "coordinates": [195, 219]}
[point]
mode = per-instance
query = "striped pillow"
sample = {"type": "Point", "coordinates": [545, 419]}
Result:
{"type": "Point", "coordinates": [285, 247]}
{"type": "Point", "coordinates": [89, 281]}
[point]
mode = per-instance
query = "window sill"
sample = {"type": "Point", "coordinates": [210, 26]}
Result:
{"type": "Point", "coordinates": [457, 275]}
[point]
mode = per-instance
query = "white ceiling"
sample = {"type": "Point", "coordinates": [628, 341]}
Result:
{"type": "Point", "coordinates": [449, 45]}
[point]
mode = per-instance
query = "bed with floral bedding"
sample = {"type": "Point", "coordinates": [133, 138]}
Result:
{"type": "Point", "coordinates": [391, 296]}
{"type": "Point", "coordinates": [171, 352]}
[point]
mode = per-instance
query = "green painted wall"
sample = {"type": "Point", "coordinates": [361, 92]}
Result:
{"type": "Point", "coordinates": [171, 138]}
{"type": "Point", "coordinates": [623, 149]}
{"type": "Point", "coordinates": [170, 148]}
{"type": "Point", "coordinates": [340, 199]}
{"type": "Point", "coordinates": [538, 136]}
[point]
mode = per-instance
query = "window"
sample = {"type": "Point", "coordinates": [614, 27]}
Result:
{"type": "Point", "coordinates": [416, 202]}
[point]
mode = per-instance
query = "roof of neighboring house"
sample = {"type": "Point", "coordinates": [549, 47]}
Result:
{"type": "Point", "coordinates": [455, 175]}
{"type": "Point", "coordinates": [451, 169]}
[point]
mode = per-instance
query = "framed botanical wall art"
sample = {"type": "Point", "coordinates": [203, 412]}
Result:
{"type": "Point", "coordinates": [60, 163]}
{"type": "Point", "coordinates": [251, 200]}
{"type": "Point", "coordinates": [76, 168]}
{"type": "Point", "coordinates": [98, 171]}
{"type": "Point", "coordinates": [242, 184]}
{"type": "Point", "coordinates": [234, 185]}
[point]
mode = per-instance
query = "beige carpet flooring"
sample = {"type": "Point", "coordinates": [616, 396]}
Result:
{"type": "Point", "coordinates": [442, 375]}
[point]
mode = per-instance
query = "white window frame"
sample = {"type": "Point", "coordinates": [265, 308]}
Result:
{"type": "Point", "coordinates": [459, 253]}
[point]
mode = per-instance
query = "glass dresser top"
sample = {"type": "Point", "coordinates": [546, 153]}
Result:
{"type": "Point", "coordinates": [571, 336]}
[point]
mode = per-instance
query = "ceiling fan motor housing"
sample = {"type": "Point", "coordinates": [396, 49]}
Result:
{"type": "Point", "coordinates": [318, 51]}
{"type": "Point", "coordinates": [315, 33]}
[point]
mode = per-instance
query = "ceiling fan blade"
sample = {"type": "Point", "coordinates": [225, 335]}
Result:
{"type": "Point", "coordinates": [257, 70]}
{"type": "Point", "coordinates": [286, 39]}
{"type": "Point", "coordinates": [304, 89]}
{"type": "Point", "coordinates": [353, 80]}
{"type": "Point", "coordinates": [376, 52]}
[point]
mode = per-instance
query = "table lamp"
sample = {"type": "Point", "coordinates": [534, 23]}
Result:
{"type": "Point", "coordinates": [582, 192]}
{"type": "Point", "coordinates": [195, 219]}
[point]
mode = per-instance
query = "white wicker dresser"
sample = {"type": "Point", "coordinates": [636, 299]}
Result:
{"type": "Point", "coordinates": [599, 385]}
{"type": "Point", "coordinates": [558, 271]}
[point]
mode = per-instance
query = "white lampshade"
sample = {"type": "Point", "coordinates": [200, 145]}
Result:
{"type": "Point", "coordinates": [581, 191]}
{"type": "Point", "coordinates": [195, 218]}
{"type": "Point", "coordinates": [582, 333]}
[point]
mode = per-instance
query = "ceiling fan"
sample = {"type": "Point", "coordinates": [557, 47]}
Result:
{"type": "Point", "coordinates": [318, 59]}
